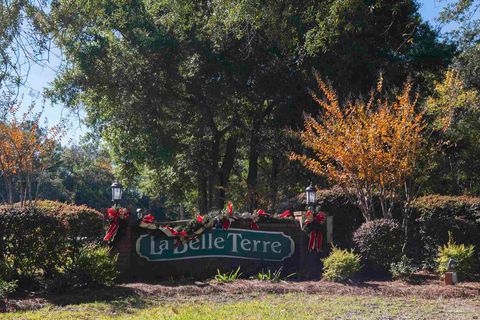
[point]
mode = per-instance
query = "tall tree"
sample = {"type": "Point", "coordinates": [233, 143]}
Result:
{"type": "Point", "coordinates": [25, 153]}
{"type": "Point", "coordinates": [453, 111]}
{"type": "Point", "coordinates": [190, 93]}
{"type": "Point", "coordinates": [464, 14]}
{"type": "Point", "coordinates": [22, 42]}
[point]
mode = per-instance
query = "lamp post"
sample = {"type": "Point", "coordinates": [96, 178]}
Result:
{"type": "Point", "coordinates": [116, 193]}
{"type": "Point", "coordinates": [311, 196]}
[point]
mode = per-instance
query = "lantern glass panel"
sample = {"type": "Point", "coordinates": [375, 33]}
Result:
{"type": "Point", "coordinates": [310, 197]}
{"type": "Point", "coordinates": [116, 193]}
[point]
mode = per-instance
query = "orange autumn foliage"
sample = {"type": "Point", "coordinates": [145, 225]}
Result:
{"type": "Point", "coordinates": [23, 152]}
{"type": "Point", "coordinates": [366, 146]}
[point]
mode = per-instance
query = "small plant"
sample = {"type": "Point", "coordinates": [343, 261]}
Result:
{"type": "Point", "coordinates": [272, 276]}
{"type": "Point", "coordinates": [93, 266]}
{"type": "Point", "coordinates": [229, 276]}
{"type": "Point", "coordinates": [262, 276]}
{"type": "Point", "coordinates": [341, 265]}
{"type": "Point", "coordinates": [403, 269]}
{"type": "Point", "coordinates": [462, 254]}
{"type": "Point", "coordinates": [7, 287]}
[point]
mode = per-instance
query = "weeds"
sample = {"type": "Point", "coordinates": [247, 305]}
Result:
{"type": "Point", "coordinates": [274, 276]}
{"type": "Point", "coordinates": [229, 276]}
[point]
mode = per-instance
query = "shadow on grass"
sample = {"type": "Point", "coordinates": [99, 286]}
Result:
{"type": "Point", "coordinates": [118, 298]}
{"type": "Point", "coordinates": [116, 295]}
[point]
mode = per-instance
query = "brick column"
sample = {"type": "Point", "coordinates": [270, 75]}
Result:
{"type": "Point", "coordinates": [124, 248]}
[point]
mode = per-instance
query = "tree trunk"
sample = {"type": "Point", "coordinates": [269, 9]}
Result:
{"type": "Point", "coordinates": [29, 185]}
{"type": "Point", "coordinates": [225, 170]}
{"type": "Point", "coordinates": [202, 194]}
{"type": "Point", "coordinates": [181, 213]}
{"type": "Point", "coordinates": [252, 170]}
{"type": "Point", "coordinates": [252, 195]}
{"type": "Point", "coordinates": [9, 187]}
{"type": "Point", "coordinates": [213, 171]}
{"type": "Point", "coordinates": [274, 182]}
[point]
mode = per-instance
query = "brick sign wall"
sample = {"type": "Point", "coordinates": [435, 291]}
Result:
{"type": "Point", "coordinates": [145, 256]}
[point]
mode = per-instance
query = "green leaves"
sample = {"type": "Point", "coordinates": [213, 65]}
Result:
{"type": "Point", "coordinates": [229, 276]}
{"type": "Point", "coordinates": [341, 265]}
{"type": "Point", "coordinates": [463, 13]}
{"type": "Point", "coordinates": [169, 80]}
{"type": "Point", "coordinates": [462, 254]}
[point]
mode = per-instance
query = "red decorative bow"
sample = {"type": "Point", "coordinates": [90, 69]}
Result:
{"type": "Point", "coordinates": [286, 214]}
{"type": "Point", "coordinates": [226, 223]}
{"type": "Point", "coordinates": [320, 217]}
{"type": "Point", "coordinates": [261, 212]}
{"type": "Point", "coordinates": [316, 236]}
{"type": "Point", "coordinates": [115, 216]}
{"type": "Point", "coordinates": [149, 218]}
{"type": "Point", "coordinates": [316, 239]}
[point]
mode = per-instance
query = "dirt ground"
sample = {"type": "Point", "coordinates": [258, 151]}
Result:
{"type": "Point", "coordinates": [427, 287]}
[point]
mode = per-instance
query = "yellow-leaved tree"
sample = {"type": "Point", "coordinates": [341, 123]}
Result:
{"type": "Point", "coordinates": [368, 147]}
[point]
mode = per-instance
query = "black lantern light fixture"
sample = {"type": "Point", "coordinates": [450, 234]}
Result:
{"type": "Point", "coordinates": [116, 192]}
{"type": "Point", "coordinates": [311, 195]}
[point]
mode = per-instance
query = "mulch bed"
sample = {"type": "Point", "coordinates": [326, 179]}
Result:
{"type": "Point", "coordinates": [431, 290]}
{"type": "Point", "coordinates": [427, 288]}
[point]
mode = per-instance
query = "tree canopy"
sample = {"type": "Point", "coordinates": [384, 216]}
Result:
{"type": "Point", "coordinates": [193, 97]}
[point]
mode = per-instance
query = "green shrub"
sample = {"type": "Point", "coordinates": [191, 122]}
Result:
{"type": "Point", "coordinates": [436, 216]}
{"type": "Point", "coordinates": [463, 256]}
{"type": "Point", "coordinates": [403, 269]}
{"type": "Point", "coordinates": [92, 266]}
{"type": "Point", "coordinates": [340, 265]}
{"type": "Point", "coordinates": [81, 221]}
{"type": "Point", "coordinates": [7, 287]}
{"type": "Point", "coordinates": [32, 244]}
{"type": "Point", "coordinates": [379, 242]}
{"type": "Point", "coordinates": [36, 242]}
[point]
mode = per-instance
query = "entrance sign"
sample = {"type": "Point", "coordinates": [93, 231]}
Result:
{"type": "Point", "coordinates": [218, 243]}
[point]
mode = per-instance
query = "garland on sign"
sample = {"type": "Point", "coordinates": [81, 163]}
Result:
{"type": "Point", "coordinates": [220, 220]}
{"type": "Point", "coordinates": [115, 215]}
{"type": "Point", "coordinates": [313, 226]}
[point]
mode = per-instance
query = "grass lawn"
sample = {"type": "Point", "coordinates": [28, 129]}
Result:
{"type": "Point", "coordinates": [263, 306]}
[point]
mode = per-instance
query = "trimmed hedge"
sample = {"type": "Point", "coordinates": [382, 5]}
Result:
{"type": "Point", "coordinates": [432, 218]}
{"type": "Point", "coordinates": [81, 221]}
{"type": "Point", "coordinates": [435, 216]}
{"type": "Point", "coordinates": [35, 242]}
{"type": "Point", "coordinates": [346, 215]}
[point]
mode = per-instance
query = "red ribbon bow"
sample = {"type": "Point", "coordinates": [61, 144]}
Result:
{"type": "Point", "coordinates": [115, 216]}
{"type": "Point", "coordinates": [316, 236]}
{"type": "Point", "coordinates": [286, 214]}
{"type": "Point", "coordinates": [226, 223]}
{"type": "Point", "coordinates": [320, 217]}
{"type": "Point", "coordinates": [149, 218]}
{"type": "Point", "coordinates": [316, 239]}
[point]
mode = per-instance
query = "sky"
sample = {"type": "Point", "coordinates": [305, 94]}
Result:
{"type": "Point", "coordinates": [40, 76]}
